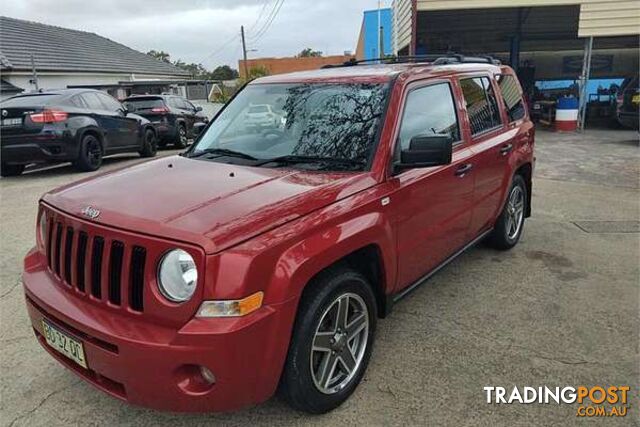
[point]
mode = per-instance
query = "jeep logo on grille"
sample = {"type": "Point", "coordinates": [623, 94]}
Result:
{"type": "Point", "coordinates": [90, 212]}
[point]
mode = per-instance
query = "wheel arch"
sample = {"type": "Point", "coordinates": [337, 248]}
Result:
{"type": "Point", "coordinates": [95, 131]}
{"type": "Point", "coordinates": [369, 262]}
{"type": "Point", "coordinates": [525, 171]}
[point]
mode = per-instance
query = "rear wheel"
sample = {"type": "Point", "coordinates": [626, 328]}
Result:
{"type": "Point", "coordinates": [90, 157]}
{"type": "Point", "coordinates": [510, 223]}
{"type": "Point", "coordinates": [331, 343]}
{"type": "Point", "coordinates": [11, 170]}
{"type": "Point", "coordinates": [149, 144]}
{"type": "Point", "coordinates": [181, 138]}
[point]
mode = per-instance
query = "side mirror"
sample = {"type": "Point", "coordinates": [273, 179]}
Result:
{"type": "Point", "coordinates": [198, 108]}
{"type": "Point", "coordinates": [425, 151]}
{"type": "Point", "coordinates": [124, 111]}
{"type": "Point", "coordinates": [198, 128]}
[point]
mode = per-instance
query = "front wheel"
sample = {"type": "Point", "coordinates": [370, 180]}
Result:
{"type": "Point", "coordinates": [181, 137]}
{"type": "Point", "coordinates": [510, 223]}
{"type": "Point", "coordinates": [331, 343]}
{"type": "Point", "coordinates": [149, 144]}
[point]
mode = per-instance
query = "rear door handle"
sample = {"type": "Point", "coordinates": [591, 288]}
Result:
{"type": "Point", "coordinates": [463, 169]}
{"type": "Point", "coordinates": [506, 149]}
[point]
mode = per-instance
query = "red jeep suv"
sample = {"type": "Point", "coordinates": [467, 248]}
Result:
{"type": "Point", "coordinates": [262, 257]}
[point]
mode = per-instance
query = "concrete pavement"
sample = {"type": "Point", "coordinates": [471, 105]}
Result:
{"type": "Point", "coordinates": [559, 309]}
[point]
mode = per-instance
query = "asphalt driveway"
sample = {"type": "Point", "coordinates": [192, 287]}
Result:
{"type": "Point", "coordinates": [562, 308]}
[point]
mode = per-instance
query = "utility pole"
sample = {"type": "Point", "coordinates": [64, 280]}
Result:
{"type": "Point", "coordinates": [34, 80]}
{"type": "Point", "coordinates": [244, 53]}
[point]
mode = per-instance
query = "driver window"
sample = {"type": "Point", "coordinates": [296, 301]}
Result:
{"type": "Point", "coordinates": [429, 110]}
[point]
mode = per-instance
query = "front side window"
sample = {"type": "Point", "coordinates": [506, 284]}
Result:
{"type": "Point", "coordinates": [321, 120]}
{"type": "Point", "coordinates": [482, 106]}
{"type": "Point", "coordinates": [512, 97]}
{"type": "Point", "coordinates": [429, 110]}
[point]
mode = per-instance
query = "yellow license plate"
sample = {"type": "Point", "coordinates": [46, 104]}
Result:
{"type": "Point", "coordinates": [64, 344]}
{"type": "Point", "coordinates": [635, 99]}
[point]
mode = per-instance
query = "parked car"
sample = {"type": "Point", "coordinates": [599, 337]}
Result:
{"type": "Point", "coordinates": [628, 100]}
{"type": "Point", "coordinates": [272, 262]}
{"type": "Point", "coordinates": [262, 116]}
{"type": "Point", "coordinates": [70, 125]}
{"type": "Point", "coordinates": [173, 116]}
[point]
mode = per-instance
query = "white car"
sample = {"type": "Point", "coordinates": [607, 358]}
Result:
{"type": "Point", "coordinates": [262, 115]}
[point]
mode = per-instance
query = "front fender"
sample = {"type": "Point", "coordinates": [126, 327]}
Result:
{"type": "Point", "coordinates": [282, 261]}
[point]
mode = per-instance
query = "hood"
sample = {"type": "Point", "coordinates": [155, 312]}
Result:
{"type": "Point", "coordinates": [211, 204]}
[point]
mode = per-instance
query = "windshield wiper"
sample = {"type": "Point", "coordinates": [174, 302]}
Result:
{"type": "Point", "coordinates": [224, 152]}
{"type": "Point", "coordinates": [292, 159]}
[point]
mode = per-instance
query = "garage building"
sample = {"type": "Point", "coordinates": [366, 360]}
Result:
{"type": "Point", "coordinates": [544, 40]}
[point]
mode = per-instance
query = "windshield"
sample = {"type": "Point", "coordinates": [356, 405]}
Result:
{"type": "Point", "coordinates": [311, 121]}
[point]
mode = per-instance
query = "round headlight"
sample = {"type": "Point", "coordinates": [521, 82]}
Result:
{"type": "Point", "coordinates": [177, 276]}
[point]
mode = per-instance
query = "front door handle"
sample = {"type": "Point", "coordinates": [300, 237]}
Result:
{"type": "Point", "coordinates": [506, 149]}
{"type": "Point", "coordinates": [463, 169]}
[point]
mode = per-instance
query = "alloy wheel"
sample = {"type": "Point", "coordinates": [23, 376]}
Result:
{"type": "Point", "coordinates": [515, 212]}
{"type": "Point", "coordinates": [339, 343]}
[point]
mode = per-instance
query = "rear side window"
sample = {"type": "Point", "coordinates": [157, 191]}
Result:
{"type": "Point", "coordinates": [429, 110]}
{"type": "Point", "coordinates": [92, 101]}
{"type": "Point", "coordinates": [144, 104]}
{"type": "Point", "coordinates": [512, 97]}
{"type": "Point", "coordinates": [482, 106]}
{"type": "Point", "coordinates": [109, 103]}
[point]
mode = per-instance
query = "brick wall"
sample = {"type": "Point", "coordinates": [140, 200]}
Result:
{"type": "Point", "coordinates": [288, 65]}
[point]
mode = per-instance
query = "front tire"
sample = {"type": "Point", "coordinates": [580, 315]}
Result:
{"type": "Point", "coordinates": [11, 170]}
{"type": "Point", "coordinates": [149, 144]}
{"type": "Point", "coordinates": [510, 223]}
{"type": "Point", "coordinates": [331, 343]}
{"type": "Point", "coordinates": [181, 137]}
{"type": "Point", "coordinates": [90, 156]}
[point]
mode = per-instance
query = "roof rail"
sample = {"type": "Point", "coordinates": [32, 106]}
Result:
{"type": "Point", "coordinates": [436, 59]}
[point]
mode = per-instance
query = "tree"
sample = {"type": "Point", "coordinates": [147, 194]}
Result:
{"type": "Point", "coordinates": [224, 72]}
{"type": "Point", "coordinates": [160, 55]}
{"type": "Point", "coordinates": [309, 53]}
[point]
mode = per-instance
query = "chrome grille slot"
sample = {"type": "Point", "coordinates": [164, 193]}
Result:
{"type": "Point", "coordinates": [68, 244]}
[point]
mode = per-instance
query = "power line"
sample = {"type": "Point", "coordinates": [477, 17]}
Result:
{"type": "Point", "coordinates": [255, 23]}
{"type": "Point", "coordinates": [235, 38]}
{"type": "Point", "coordinates": [276, 9]}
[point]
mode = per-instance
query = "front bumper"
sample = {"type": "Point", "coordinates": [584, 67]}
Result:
{"type": "Point", "coordinates": [157, 366]}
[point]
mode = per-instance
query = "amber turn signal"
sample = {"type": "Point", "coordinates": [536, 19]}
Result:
{"type": "Point", "coordinates": [231, 308]}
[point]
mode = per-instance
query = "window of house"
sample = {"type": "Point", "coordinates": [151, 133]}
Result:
{"type": "Point", "coordinates": [512, 97]}
{"type": "Point", "coordinates": [429, 110]}
{"type": "Point", "coordinates": [482, 106]}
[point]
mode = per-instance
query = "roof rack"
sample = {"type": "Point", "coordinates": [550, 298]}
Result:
{"type": "Point", "coordinates": [436, 59]}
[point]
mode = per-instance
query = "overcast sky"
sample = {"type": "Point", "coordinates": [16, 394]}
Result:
{"type": "Point", "coordinates": [207, 31]}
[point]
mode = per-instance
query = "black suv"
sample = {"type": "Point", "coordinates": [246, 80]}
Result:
{"type": "Point", "coordinates": [77, 125]}
{"type": "Point", "coordinates": [628, 101]}
{"type": "Point", "coordinates": [173, 116]}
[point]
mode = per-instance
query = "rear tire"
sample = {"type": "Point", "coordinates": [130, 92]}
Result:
{"type": "Point", "coordinates": [331, 343]}
{"type": "Point", "coordinates": [11, 170]}
{"type": "Point", "coordinates": [149, 144]}
{"type": "Point", "coordinates": [90, 156]}
{"type": "Point", "coordinates": [510, 223]}
{"type": "Point", "coordinates": [181, 137]}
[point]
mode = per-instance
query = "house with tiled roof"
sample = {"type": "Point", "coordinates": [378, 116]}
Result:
{"type": "Point", "coordinates": [39, 56]}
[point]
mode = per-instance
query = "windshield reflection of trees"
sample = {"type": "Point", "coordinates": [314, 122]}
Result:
{"type": "Point", "coordinates": [338, 121]}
